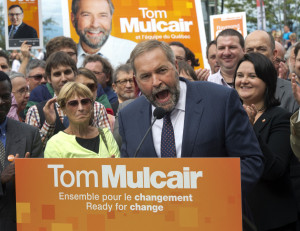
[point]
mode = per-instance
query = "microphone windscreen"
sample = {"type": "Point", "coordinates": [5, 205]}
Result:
{"type": "Point", "coordinates": [159, 112]}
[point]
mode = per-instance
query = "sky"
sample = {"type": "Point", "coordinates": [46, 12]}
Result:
{"type": "Point", "coordinates": [52, 9]}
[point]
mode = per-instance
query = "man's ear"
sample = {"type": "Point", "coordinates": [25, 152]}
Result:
{"type": "Point", "coordinates": [106, 78]}
{"type": "Point", "coordinates": [73, 18]}
{"type": "Point", "coordinates": [176, 65]}
{"type": "Point", "coordinates": [48, 80]}
{"type": "Point", "coordinates": [275, 53]}
{"type": "Point", "coordinates": [114, 86]}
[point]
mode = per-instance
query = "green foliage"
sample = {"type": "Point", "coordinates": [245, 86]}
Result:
{"type": "Point", "coordinates": [2, 28]}
{"type": "Point", "coordinates": [47, 27]}
{"type": "Point", "coordinates": [278, 12]}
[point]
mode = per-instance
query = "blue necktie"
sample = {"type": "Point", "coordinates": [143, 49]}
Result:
{"type": "Point", "coordinates": [12, 32]}
{"type": "Point", "coordinates": [168, 148]}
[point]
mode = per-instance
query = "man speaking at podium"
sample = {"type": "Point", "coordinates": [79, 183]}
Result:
{"type": "Point", "coordinates": [203, 119]}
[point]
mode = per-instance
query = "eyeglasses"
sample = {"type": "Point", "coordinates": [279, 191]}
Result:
{"type": "Point", "coordinates": [22, 91]}
{"type": "Point", "coordinates": [84, 102]}
{"type": "Point", "coordinates": [4, 66]}
{"type": "Point", "coordinates": [36, 77]}
{"type": "Point", "coordinates": [278, 60]}
{"type": "Point", "coordinates": [124, 81]}
{"type": "Point", "coordinates": [98, 72]}
{"type": "Point", "coordinates": [66, 72]}
{"type": "Point", "coordinates": [91, 86]}
{"type": "Point", "coordinates": [16, 14]}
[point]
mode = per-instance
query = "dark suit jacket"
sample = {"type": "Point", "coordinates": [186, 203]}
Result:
{"type": "Point", "coordinates": [272, 201]}
{"type": "Point", "coordinates": [20, 138]}
{"type": "Point", "coordinates": [24, 31]}
{"type": "Point", "coordinates": [116, 134]}
{"type": "Point", "coordinates": [285, 95]}
{"type": "Point", "coordinates": [216, 125]}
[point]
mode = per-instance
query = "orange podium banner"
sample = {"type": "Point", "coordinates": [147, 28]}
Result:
{"type": "Point", "coordinates": [128, 194]}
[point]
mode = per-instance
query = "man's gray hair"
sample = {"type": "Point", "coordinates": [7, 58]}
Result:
{"type": "Point", "coordinates": [35, 63]}
{"type": "Point", "coordinates": [14, 74]}
{"type": "Point", "coordinates": [288, 52]}
{"type": "Point", "coordinates": [149, 45]}
{"type": "Point", "coordinates": [124, 68]}
{"type": "Point", "coordinates": [76, 2]}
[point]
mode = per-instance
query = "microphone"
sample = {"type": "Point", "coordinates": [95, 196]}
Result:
{"type": "Point", "coordinates": [158, 113]}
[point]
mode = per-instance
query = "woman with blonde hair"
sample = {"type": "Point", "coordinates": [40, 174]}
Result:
{"type": "Point", "coordinates": [80, 139]}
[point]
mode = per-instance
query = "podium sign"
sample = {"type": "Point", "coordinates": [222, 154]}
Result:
{"type": "Point", "coordinates": [128, 194]}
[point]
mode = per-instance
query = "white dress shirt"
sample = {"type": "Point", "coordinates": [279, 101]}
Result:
{"type": "Point", "coordinates": [177, 119]}
{"type": "Point", "coordinates": [116, 50]}
{"type": "Point", "coordinates": [218, 79]}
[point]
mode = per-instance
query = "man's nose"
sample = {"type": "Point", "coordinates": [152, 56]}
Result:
{"type": "Point", "coordinates": [96, 21]}
{"type": "Point", "coordinates": [227, 51]}
{"type": "Point", "coordinates": [156, 80]}
{"type": "Point", "coordinates": [43, 81]}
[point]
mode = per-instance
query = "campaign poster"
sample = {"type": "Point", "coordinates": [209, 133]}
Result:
{"type": "Point", "coordinates": [23, 22]}
{"type": "Point", "coordinates": [236, 21]}
{"type": "Point", "coordinates": [128, 194]}
{"type": "Point", "coordinates": [163, 20]}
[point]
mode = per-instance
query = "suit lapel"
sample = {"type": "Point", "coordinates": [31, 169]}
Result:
{"type": "Point", "coordinates": [261, 122]}
{"type": "Point", "coordinates": [15, 141]}
{"type": "Point", "coordinates": [144, 122]}
{"type": "Point", "coordinates": [279, 93]}
{"type": "Point", "coordinates": [193, 112]}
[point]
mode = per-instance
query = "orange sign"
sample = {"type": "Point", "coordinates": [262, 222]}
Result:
{"type": "Point", "coordinates": [128, 194]}
{"type": "Point", "coordinates": [157, 19]}
{"type": "Point", "coordinates": [236, 21]}
{"type": "Point", "coordinates": [26, 16]}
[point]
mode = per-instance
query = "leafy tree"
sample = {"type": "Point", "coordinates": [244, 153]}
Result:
{"type": "Point", "coordinates": [47, 26]}
{"type": "Point", "coordinates": [2, 28]}
{"type": "Point", "coordinates": [278, 12]}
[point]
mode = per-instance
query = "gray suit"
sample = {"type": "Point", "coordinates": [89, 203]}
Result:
{"type": "Point", "coordinates": [20, 138]}
{"type": "Point", "coordinates": [284, 94]}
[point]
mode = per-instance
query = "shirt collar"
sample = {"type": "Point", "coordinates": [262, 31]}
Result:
{"type": "Point", "coordinates": [224, 83]}
{"type": "Point", "coordinates": [82, 54]}
{"type": "Point", "coordinates": [17, 27]}
{"type": "Point", "coordinates": [182, 96]}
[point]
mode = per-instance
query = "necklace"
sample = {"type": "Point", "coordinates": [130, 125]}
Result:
{"type": "Point", "coordinates": [261, 109]}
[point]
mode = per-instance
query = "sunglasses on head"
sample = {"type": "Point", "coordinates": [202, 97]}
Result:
{"type": "Point", "coordinates": [75, 102]}
{"type": "Point", "coordinates": [36, 77]}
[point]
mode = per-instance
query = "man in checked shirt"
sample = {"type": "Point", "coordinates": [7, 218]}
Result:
{"type": "Point", "coordinates": [47, 115]}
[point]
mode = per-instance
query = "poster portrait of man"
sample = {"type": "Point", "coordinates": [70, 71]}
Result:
{"type": "Point", "coordinates": [22, 24]}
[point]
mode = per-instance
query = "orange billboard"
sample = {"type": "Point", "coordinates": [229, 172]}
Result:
{"type": "Point", "coordinates": [128, 194]}
{"type": "Point", "coordinates": [156, 19]}
{"type": "Point", "coordinates": [23, 22]}
{"type": "Point", "coordinates": [236, 21]}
